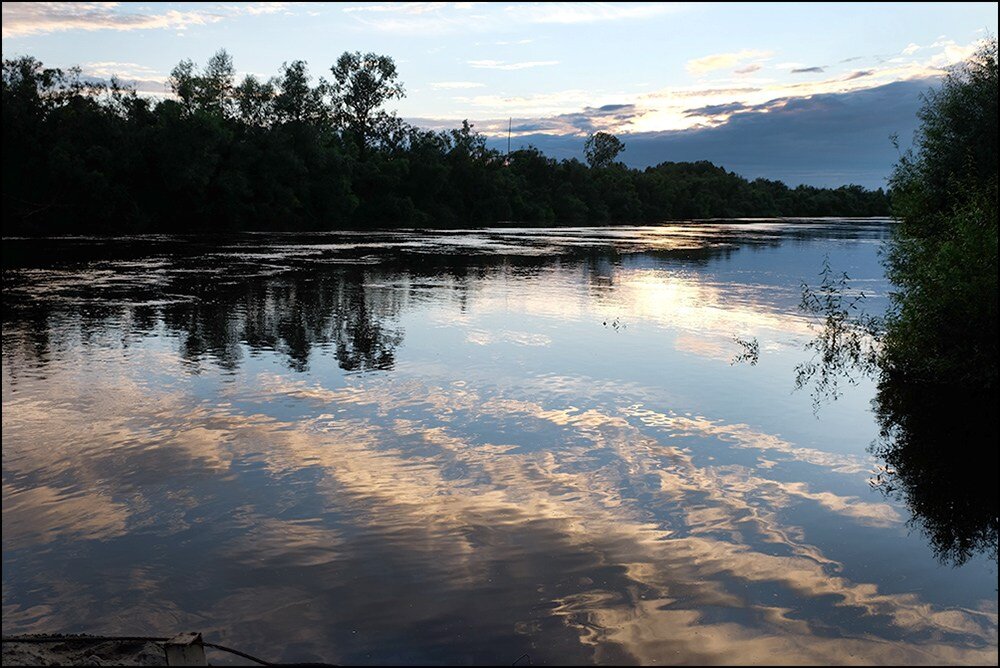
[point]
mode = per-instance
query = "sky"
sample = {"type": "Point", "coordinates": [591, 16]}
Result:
{"type": "Point", "coordinates": [803, 92]}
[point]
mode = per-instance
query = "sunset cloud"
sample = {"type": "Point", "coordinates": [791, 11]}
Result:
{"type": "Point", "coordinates": [860, 74]}
{"type": "Point", "coordinates": [34, 18]}
{"type": "Point", "coordinates": [723, 61]}
{"type": "Point", "coordinates": [22, 19]}
{"type": "Point", "coordinates": [110, 68]}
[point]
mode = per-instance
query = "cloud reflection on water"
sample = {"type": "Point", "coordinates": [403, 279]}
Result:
{"type": "Point", "coordinates": [401, 504]}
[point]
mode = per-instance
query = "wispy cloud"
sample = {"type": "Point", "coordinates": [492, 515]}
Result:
{"type": "Point", "coordinates": [951, 52]}
{"type": "Point", "coordinates": [110, 68]}
{"type": "Point", "coordinates": [584, 121]}
{"type": "Point", "coordinates": [617, 117]}
{"type": "Point", "coordinates": [860, 74]}
{"type": "Point", "coordinates": [723, 61]}
{"type": "Point", "coordinates": [676, 108]}
{"type": "Point", "coordinates": [911, 49]}
{"type": "Point", "coordinates": [588, 12]}
{"type": "Point", "coordinates": [145, 80]}
{"type": "Point", "coordinates": [431, 18]}
{"type": "Point", "coordinates": [413, 8]}
{"type": "Point", "coordinates": [713, 110]}
{"type": "Point", "coordinates": [574, 111]}
{"type": "Point", "coordinates": [456, 85]}
{"type": "Point", "coordinates": [502, 65]}
{"type": "Point", "coordinates": [35, 18]}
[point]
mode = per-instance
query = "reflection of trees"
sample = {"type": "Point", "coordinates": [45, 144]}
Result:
{"type": "Point", "coordinates": [348, 310]}
{"type": "Point", "coordinates": [938, 430]}
{"type": "Point", "coordinates": [221, 304]}
{"type": "Point", "coordinates": [293, 314]}
{"type": "Point", "coordinates": [362, 340]}
{"type": "Point", "coordinates": [940, 450]}
{"type": "Point", "coordinates": [938, 437]}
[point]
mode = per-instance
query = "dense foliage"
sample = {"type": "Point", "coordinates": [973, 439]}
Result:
{"type": "Point", "coordinates": [288, 153]}
{"type": "Point", "coordinates": [937, 392]}
{"type": "Point", "coordinates": [934, 354]}
{"type": "Point", "coordinates": [943, 257]}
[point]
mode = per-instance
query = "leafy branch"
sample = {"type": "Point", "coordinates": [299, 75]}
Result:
{"type": "Point", "coordinates": [847, 345]}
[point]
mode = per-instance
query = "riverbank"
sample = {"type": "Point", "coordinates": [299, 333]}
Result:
{"type": "Point", "coordinates": [100, 652]}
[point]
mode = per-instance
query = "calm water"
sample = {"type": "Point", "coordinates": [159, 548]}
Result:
{"type": "Point", "coordinates": [459, 447]}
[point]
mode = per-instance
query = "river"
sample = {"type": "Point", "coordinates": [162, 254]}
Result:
{"type": "Point", "coordinates": [460, 447]}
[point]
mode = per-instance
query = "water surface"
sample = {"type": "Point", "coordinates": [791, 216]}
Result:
{"type": "Point", "coordinates": [459, 447]}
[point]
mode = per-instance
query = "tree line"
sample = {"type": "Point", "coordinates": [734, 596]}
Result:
{"type": "Point", "coordinates": [297, 153]}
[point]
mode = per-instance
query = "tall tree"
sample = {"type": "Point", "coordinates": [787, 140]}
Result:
{"type": "Point", "coordinates": [362, 84]}
{"type": "Point", "coordinates": [211, 91]}
{"type": "Point", "coordinates": [297, 101]}
{"type": "Point", "coordinates": [216, 84]}
{"type": "Point", "coordinates": [184, 83]}
{"type": "Point", "coordinates": [943, 255]}
{"type": "Point", "coordinates": [601, 149]}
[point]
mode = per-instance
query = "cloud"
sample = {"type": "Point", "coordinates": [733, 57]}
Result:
{"type": "Point", "coordinates": [703, 92]}
{"type": "Point", "coordinates": [432, 497]}
{"type": "Point", "coordinates": [501, 65]}
{"type": "Point", "coordinates": [537, 105]}
{"type": "Point", "coordinates": [859, 74]}
{"type": "Point", "coordinates": [670, 108]}
{"type": "Point", "coordinates": [37, 18]}
{"type": "Point", "coordinates": [911, 49]}
{"type": "Point", "coordinates": [753, 67]}
{"type": "Point", "coordinates": [259, 8]}
{"type": "Point", "coordinates": [825, 140]}
{"type": "Point", "coordinates": [579, 123]}
{"type": "Point", "coordinates": [721, 61]}
{"type": "Point", "coordinates": [587, 12]}
{"type": "Point", "coordinates": [144, 79]}
{"type": "Point", "coordinates": [717, 109]}
{"type": "Point", "coordinates": [406, 7]}
{"type": "Point", "coordinates": [111, 68]}
{"type": "Point", "coordinates": [456, 85]}
{"type": "Point", "coordinates": [809, 70]}
{"type": "Point", "coordinates": [34, 18]}
{"type": "Point", "coordinates": [427, 18]}
{"type": "Point", "coordinates": [594, 119]}
{"type": "Point", "coordinates": [951, 52]}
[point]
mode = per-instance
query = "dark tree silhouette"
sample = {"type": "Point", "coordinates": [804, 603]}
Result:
{"type": "Point", "coordinates": [362, 84]}
{"type": "Point", "coordinates": [601, 149]}
{"type": "Point", "coordinates": [295, 153]}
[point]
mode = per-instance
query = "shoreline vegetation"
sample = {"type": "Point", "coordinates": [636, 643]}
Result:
{"type": "Point", "coordinates": [937, 364]}
{"type": "Point", "coordinates": [933, 355]}
{"type": "Point", "coordinates": [291, 153]}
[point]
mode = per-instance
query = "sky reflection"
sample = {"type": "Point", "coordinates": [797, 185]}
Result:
{"type": "Point", "coordinates": [456, 461]}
